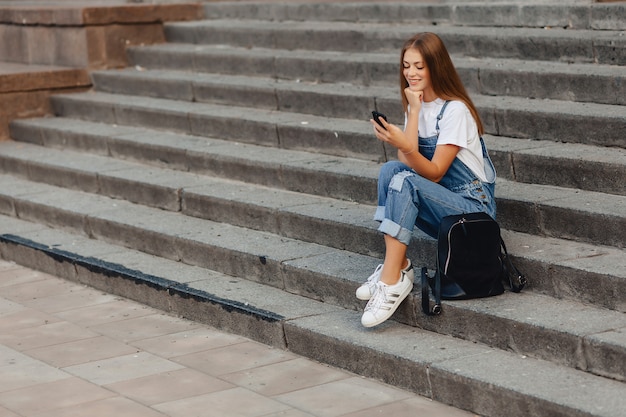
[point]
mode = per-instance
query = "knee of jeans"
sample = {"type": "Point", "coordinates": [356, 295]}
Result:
{"type": "Point", "coordinates": [391, 168]}
{"type": "Point", "coordinates": [398, 180]}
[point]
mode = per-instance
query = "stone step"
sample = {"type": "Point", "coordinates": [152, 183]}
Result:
{"type": "Point", "coordinates": [83, 34]}
{"type": "Point", "coordinates": [545, 210]}
{"type": "Point", "coordinates": [15, 77]}
{"type": "Point", "coordinates": [540, 162]}
{"type": "Point", "coordinates": [214, 210]}
{"type": "Point", "coordinates": [559, 268]}
{"type": "Point", "coordinates": [583, 46]}
{"type": "Point", "coordinates": [554, 81]}
{"type": "Point", "coordinates": [570, 15]}
{"type": "Point", "coordinates": [573, 334]}
{"type": "Point", "coordinates": [25, 89]}
{"type": "Point", "coordinates": [446, 369]}
{"type": "Point", "coordinates": [226, 211]}
{"type": "Point", "coordinates": [348, 101]}
{"type": "Point", "coordinates": [490, 76]}
{"type": "Point", "coordinates": [503, 116]}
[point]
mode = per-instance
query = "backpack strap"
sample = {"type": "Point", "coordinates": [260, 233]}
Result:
{"type": "Point", "coordinates": [511, 271]}
{"type": "Point", "coordinates": [517, 281]}
{"type": "Point", "coordinates": [436, 309]}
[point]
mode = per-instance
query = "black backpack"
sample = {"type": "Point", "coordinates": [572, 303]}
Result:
{"type": "Point", "coordinates": [472, 262]}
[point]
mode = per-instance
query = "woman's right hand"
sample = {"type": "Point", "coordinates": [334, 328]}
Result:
{"type": "Point", "coordinates": [415, 99]}
{"type": "Point", "coordinates": [392, 135]}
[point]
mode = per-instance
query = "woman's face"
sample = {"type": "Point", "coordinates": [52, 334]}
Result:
{"type": "Point", "coordinates": [416, 73]}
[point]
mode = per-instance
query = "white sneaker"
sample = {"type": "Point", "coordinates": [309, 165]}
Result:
{"type": "Point", "coordinates": [386, 300]}
{"type": "Point", "coordinates": [366, 290]}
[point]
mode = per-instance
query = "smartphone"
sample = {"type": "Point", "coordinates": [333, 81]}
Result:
{"type": "Point", "coordinates": [376, 115]}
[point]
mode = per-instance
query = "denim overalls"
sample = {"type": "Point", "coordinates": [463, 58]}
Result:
{"type": "Point", "coordinates": [405, 199]}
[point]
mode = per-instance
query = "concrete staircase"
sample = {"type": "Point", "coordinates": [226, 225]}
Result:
{"type": "Point", "coordinates": [48, 46]}
{"type": "Point", "coordinates": [229, 176]}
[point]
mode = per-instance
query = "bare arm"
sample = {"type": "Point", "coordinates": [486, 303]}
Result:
{"type": "Point", "coordinates": [433, 169]}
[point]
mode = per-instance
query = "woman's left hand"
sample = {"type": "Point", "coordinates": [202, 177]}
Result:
{"type": "Point", "coordinates": [392, 135]}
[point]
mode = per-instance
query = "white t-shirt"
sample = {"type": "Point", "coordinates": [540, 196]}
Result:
{"type": "Point", "coordinates": [456, 127]}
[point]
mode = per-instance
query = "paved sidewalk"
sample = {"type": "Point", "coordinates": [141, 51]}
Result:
{"type": "Point", "coordinates": [69, 350]}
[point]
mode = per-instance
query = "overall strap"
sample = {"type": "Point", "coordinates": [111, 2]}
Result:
{"type": "Point", "coordinates": [440, 115]}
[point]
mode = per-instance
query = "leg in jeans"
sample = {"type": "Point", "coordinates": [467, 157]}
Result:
{"type": "Point", "coordinates": [404, 199]}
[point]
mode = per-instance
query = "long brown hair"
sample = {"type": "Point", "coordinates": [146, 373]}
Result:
{"type": "Point", "coordinates": [446, 82]}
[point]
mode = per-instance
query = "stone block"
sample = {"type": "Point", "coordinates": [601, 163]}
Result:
{"type": "Point", "coordinates": [323, 135]}
{"type": "Point", "coordinates": [67, 106]}
{"type": "Point", "coordinates": [66, 177]}
{"type": "Point", "coordinates": [40, 212]}
{"type": "Point", "coordinates": [84, 14]}
{"type": "Point", "coordinates": [605, 353]}
{"type": "Point", "coordinates": [208, 202]}
{"type": "Point", "coordinates": [608, 16]}
{"type": "Point", "coordinates": [610, 50]}
{"type": "Point", "coordinates": [14, 46]}
{"type": "Point", "coordinates": [42, 45]}
{"type": "Point", "coordinates": [29, 16]}
{"type": "Point", "coordinates": [6, 207]}
{"type": "Point", "coordinates": [22, 78]}
{"type": "Point", "coordinates": [558, 16]}
{"type": "Point", "coordinates": [26, 132]}
{"type": "Point", "coordinates": [21, 105]}
{"type": "Point", "coordinates": [66, 16]}
{"type": "Point", "coordinates": [331, 277]}
{"type": "Point", "coordinates": [598, 228]}
{"type": "Point", "coordinates": [150, 57]}
{"type": "Point", "coordinates": [501, 15]}
{"type": "Point", "coordinates": [5, 132]}
{"type": "Point", "coordinates": [141, 13]}
{"type": "Point", "coordinates": [550, 166]}
{"type": "Point", "coordinates": [106, 45]}
{"type": "Point", "coordinates": [70, 47]}
{"type": "Point", "coordinates": [323, 11]}
{"type": "Point", "coordinates": [41, 15]}
{"type": "Point", "coordinates": [151, 85]}
{"type": "Point", "coordinates": [257, 96]}
{"type": "Point", "coordinates": [432, 13]}
{"type": "Point", "coordinates": [173, 117]}
{"type": "Point", "coordinates": [226, 317]}
{"type": "Point", "coordinates": [91, 37]}
{"type": "Point", "coordinates": [31, 257]}
{"type": "Point", "coordinates": [247, 131]}
{"type": "Point", "coordinates": [149, 146]}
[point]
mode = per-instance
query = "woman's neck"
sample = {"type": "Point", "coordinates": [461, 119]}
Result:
{"type": "Point", "coordinates": [429, 95]}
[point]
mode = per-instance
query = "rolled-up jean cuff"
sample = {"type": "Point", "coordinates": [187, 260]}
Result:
{"type": "Point", "coordinates": [396, 231]}
{"type": "Point", "coordinates": [379, 216]}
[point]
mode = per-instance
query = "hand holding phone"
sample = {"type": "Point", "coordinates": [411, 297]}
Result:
{"type": "Point", "coordinates": [377, 116]}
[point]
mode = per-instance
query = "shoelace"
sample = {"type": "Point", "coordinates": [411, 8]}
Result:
{"type": "Point", "coordinates": [373, 279]}
{"type": "Point", "coordinates": [379, 298]}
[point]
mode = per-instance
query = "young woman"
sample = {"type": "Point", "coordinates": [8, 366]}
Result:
{"type": "Point", "coordinates": [442, 169]}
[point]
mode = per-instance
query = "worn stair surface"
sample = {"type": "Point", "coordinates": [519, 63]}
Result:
{"type": "Point", "coordinates": [229, 176]}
